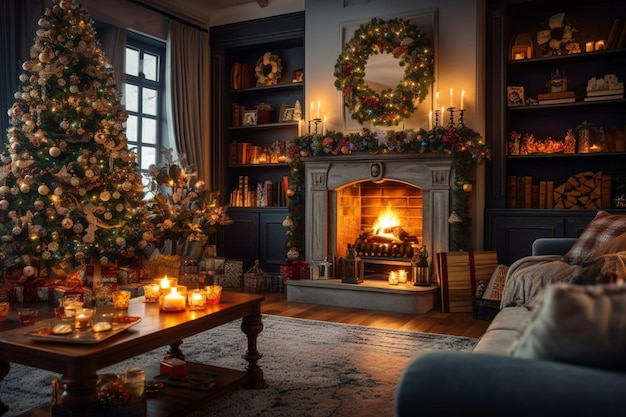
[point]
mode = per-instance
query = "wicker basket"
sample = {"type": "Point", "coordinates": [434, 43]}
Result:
{"type": "Point", "coordinates": [255, 280]}
{"type": "Point", "coordinates": [485, 309]}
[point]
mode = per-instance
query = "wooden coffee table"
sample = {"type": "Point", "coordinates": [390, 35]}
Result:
{"type": "Point", "coordinates": [78, 363]}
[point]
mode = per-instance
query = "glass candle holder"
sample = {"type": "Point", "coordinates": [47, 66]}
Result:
{"type": "Point", "coordinates": [175, 300]}
{"type": "Point", "coordinates": [166, 284]}
{"type": "Point", "coordinates": [82, 319]}
{"type": "Point", "coordinates": [102, 322]}
{"type": "Point", "coordinates": [65, 325]}
{"type": "Point", "coordinates": [4, 310]}
{"type": "Point", "coordinates": [121, 299]}
{"type": "Point", "coordinates": [27, 315]}
{"type": "Point", "coordinates": [196, 299]}
{"type": "Point", "coordinates": [151, 293]}
{"type": "Point", "coordinates": [213, 294]}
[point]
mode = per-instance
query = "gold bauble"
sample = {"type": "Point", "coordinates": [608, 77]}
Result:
{"type": "Point", "coordinates": [467, 187]}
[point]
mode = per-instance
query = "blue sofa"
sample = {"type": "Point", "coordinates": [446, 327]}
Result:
{"type": "Point", "coordinates": [489, 381]}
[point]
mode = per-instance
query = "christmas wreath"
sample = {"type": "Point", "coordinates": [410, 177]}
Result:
{"type": "Point", "coordinates": [404, 42]}
{"type": "Point", "coordinates": [558, 37]}
{"type": "Point", "coordinates": [268, 69]}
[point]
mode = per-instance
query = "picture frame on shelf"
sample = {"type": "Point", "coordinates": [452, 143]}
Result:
{"type": "Point", "coordinates": [286, 113]}
{"type": "Point", "coordinates": [515, 96]}
{"type": "Point", "coordinates": [298, 76]}
{"type": "Point", "coordinates": [249, 118]}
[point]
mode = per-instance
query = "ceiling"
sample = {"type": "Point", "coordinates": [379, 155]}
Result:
{"type": "Point", "coordinates": [195, 11]}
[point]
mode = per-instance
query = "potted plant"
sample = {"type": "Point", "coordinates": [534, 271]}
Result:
{"type": "Point", "coordinates": [264, 112]}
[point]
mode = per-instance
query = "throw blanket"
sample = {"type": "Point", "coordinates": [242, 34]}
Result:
{"type": "Point", "coordinates": [528, 276]}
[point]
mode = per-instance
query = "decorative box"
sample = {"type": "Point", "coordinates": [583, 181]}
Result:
{"type": "Point", "coordinates": [233, 274]}
{"type": "Point", "coordinates": [173, 366]}
{"type": "Point", "coordinates": [189, 266]}
{"type": "Point", "coordinates": [164, 265]}
{"type": "Point", "coordinates": [212, 264]}
{"type": "Point", "coordinates": [458, 274]}
{"type": "Point", "coordinates": [188, 279]}
{"type": "Point", "coordinates": [60, 291]}
{"type": "Point", "coordinates": [297, 269]}
{"type": "Point", "coordinates": [108, 274]}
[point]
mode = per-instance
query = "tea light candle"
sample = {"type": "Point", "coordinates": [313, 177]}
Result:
{"type": "Point", "coordinates": [402, 276]}
{"type": "Point", "coordinates": [599, 45]}
{"type": "Point", "coordinates": [197, 299]}
{"type": "Point", "coordinates": [173, 301]}
{"type": "Point", "coordinates": [82, 319]}
{"type": "Point", "coordinates": [589, 47]}
{"type": "Point", "coordinates": [393, 278]}
{"type": "Point", "coordinates": [151, 292]}
{"type": "Point", "coordinates": [102, 322]}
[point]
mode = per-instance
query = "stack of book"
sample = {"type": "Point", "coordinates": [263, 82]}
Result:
{"type": "Point", "coordinates": [557, 98]}
{"type": "Point", "coordinates": [615, 93]}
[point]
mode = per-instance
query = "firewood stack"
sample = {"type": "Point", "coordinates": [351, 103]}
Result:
{"type": "Point", "coordinates": [582, 191]}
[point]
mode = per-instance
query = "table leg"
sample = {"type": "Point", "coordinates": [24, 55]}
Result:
{"type": "Point", "coordinates": [252, 325]}
{"type": "Point", "coordinates": [175, 351]}
{"type": "Point", "coordinates": [81, 391]}
{"type": "Point", "coordinates": [4, 371]}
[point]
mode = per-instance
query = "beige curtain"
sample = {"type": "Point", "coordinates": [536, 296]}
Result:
{"type": "Point", "coordinates": [189, 60]}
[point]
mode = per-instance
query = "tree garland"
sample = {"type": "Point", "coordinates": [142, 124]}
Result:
{"type": "Point", "coordinates": [464, 144]}
{"type": "Point", "coordinates": [412, 49]}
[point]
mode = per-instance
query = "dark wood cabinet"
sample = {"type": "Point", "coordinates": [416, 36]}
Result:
{"type": "Point", "coordinates": [257, 231]}
{"type": "Point", "coordinates": [510, 225]}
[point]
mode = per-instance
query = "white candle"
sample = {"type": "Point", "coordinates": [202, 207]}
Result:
{"type": "Point", "coordinates": [451, 98]}
{"type": "Point", "coordinates": [442, 108]}
{"type": "Point", "coordinates": [462, 99]}
{"type": "Point", "coordinates": [311, 116]}
{"type": "Point", "coordinates": [430, 120]}
{"type": "Point", "coordinates": [299, 127]}
{"type": "Point", "coordinates": [436, 100]}
{"type": "Point", "coordinates": [173, 300]}
{"type": "Point", "coordinates": [319, 105]}
{"type": "Point", "coordinates": [324, 126]}
{"type": "Point", "coordinates": [393, 278]}
{"type": "Point", "coordinates": [165, 282]}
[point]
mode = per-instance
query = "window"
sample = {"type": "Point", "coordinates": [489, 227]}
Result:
{"type": "Point", "coordinates": [144, 93]}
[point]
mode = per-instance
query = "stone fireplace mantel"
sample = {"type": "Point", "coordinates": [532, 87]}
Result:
{"type": "Point", "coordinates": [324, 175]}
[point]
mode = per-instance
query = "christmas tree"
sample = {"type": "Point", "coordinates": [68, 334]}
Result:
{"type": "Point", "coordinates": [70, 189]}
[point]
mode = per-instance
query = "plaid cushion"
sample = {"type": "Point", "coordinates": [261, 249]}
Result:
{"type": "Point", "coordinates": [600, 230]}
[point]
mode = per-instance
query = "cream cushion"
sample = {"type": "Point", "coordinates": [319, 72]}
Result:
{"type": "Point", "coordinates": [584, 325]}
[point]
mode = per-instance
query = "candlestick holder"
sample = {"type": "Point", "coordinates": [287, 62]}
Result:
{"type": "Point", "coordinates": [436, 118]}
{"type": "Point", "coordinates": [316, 123]}
{"type": "Point", "coordinates": [451, 122]}
{"type": "Point", "coordinates": [461, 121]}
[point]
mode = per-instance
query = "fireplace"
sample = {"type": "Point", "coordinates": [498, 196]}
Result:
{"type": "Point", "coordinates": [344, 195]}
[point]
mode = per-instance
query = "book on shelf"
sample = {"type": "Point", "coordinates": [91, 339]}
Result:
{"type": "Point", "coordinates": [556, 95]}
{"type": "Point", "coordinates": [621, 41]}
{"type": "Point", "coordinates": [522, 193]}
{"type": "Point", "coordinates": [558, 101]}
{"type": "Point", "coordinates": [609, 97]}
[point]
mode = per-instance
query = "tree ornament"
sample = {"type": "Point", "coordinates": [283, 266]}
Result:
{"type": "Point", "coordinates": [4, 204]}
{"type": "Point", "coordinates": [54, 152]}
{"type": "Point", "coordinates": [43, 189]}
{"type": "Point", "coordinates": [17, 230]}
{"type": "Point", "coordinates": [38, 204]}
{"type": "Point", "coordinates": [127, 186]}
{"type": "Point", "coordinates": [78, 228]}
{"type": "Point", "coordinates": [67, 223]}
{"type": "Point", "coordinates": [28, 271]}
{"type": "Point", "coordinates": [5, 190]}
{"type": "Point", "coordinates": [24, 188]}
{"type": "Point", "coordinates": [105, 196]}
{"type": "Point", "coordinates": [467, 187]}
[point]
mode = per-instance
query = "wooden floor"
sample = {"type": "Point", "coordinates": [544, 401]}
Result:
{"type": "Point", "coordinates": [434, 321]}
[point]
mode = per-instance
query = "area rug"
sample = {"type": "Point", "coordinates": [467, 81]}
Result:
{"type": "Point", "coordinates": [313, 369]}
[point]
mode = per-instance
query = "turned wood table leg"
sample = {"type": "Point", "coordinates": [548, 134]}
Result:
{"type": "Point", "coordinates": [252, 325]}
{"type": "Point", "coordinates": [4, 371]}
{"type": "Point", "coordinates": [81, 391]}
{"type": "Point", "coordinates": [175, 351]}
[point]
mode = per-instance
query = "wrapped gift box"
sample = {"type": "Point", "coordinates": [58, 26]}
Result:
{"type": "Point", "coordinates": [7, 292]}
{"type": "Point", "coordinates": [60, 291]}
{"type": "Point", "coordinates": [212, 264]}
{"type": "Point", "coordinates": [108, 274]}
{"type": "Point", "coordinates": [295, 270]}
{"type": "Point", "coordinates": [188, 279]}
{"type": "Point", "coordinates": [136, 290]}
{"type": "Point", "coordinates": [233, 274]}
{"type": "Point", "coordinates": [458, 274]}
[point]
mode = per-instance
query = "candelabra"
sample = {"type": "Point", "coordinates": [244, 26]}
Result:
{"type": "Point", "coordinates": [316, 123]}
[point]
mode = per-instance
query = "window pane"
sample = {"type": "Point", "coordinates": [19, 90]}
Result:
{"type": "Point", "coordinates": [131, 128]}
{"type": "Point", "coordinates": [148, 157]}
{"type": "Point", "coordinates": [132, 62]}
{"type": "Point", "coordinates": [148, 131]}
{"type": "Point", "coordinates": [132, 97]}
{"type": "Point", "coordinates": [150, 66]}
{"type": "Point", "coordinates": [149, 101]}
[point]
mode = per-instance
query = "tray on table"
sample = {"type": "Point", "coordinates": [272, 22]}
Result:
{"type": "Point", "coordinates": [43, 332]}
